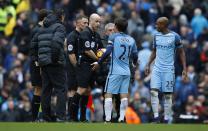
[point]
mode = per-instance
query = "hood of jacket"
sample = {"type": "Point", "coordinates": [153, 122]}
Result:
{"type": "Point", "coordinates": [50, 20]}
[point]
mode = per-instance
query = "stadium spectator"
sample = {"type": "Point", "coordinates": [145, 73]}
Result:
{"type": "Point", "coordinates": [198, 22]}
{"type": "Point", "coordinates": [180, 12]}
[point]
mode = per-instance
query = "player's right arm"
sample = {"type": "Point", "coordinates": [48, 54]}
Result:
{"type": "Point", "coordinates": [70, 48]}
{"type": "Point", "coordinates": [152, 57]}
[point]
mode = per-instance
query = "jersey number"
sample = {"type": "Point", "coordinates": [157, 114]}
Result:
{"type": "Point", "coordinates": [169, 84]}
{"type": "Point", "coordinates": [121, 57]}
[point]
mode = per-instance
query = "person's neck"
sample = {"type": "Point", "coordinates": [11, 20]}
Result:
{"type": "Point", "coordinates": [165, 31]}
{"type": "Point", "coordinates": [91, 28]}
{"type": "Point", "coordinates": [78, 29]}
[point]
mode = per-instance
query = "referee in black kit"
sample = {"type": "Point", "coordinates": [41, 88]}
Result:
{"type": "Point", "coordinates": [91, 42]}
{"type": "Point", "coordinates": [34, 67]}
{"type": "Point", "coordinates": [74, 50]}
{"type": "Point", "coordinates": [51, 58]}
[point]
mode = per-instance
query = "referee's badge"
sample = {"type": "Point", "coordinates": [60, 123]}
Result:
{"type": "Point", "coordinates": [87, 44]}
{"type": "Point", "coordinates": [92, 44]}
{"type": "Point", "coordinates": [70, 47]}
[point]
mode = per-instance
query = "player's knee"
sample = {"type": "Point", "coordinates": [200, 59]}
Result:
{"type": "Point", "coordinates": [123, 96]}
{"type": "Point", "coordinates": [71, 93]}
{"type": "Point", "coordinates": [154, 93]}
{"type": "Point", "coordinates": [168, 96]}
{"type": "Point", "coordinates": [108, 95]}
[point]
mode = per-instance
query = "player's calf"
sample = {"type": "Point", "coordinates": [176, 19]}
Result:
{"type": "Point", "coordinates": [108, 109]}
{"type": "Point", "coordinates": [155, 103]}
{"type": "Point", "coordinates": [123, 106]}
{"type": "Point", "coordinates": [167, 106]}
{"type": "Point", "coordinates": [36, 103]}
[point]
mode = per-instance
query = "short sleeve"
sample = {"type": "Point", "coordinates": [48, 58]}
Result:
{"type": "Point", "coordinates": [70, 44]}
{"type": "Point", "coordinates": [178, 41]}
{"type": "Point", "coordinates": [85, 40]}
{"type": "Point", "coordinates": [154, 42]}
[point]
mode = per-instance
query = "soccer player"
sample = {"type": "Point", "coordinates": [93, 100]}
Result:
{"type": "Point", "coordinates": [34, 67]}
{"type": "Point", "coordinates": [165, 44]}
{"type": "Point", "coordinates": [121, 47]}
{"type": "Point", "coordinates": [74, 50]}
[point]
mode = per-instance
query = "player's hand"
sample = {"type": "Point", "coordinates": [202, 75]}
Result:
{"type": "Point", "coordinates": [95, 66]}
{"type": "Point", "coordinates": [134, 65]}
{"type": "Point", "coordinates": [147, 70]}
{"type": "Point", "coordinates": [184, 75]}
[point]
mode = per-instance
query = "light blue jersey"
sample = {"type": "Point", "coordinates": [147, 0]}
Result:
{"type": "Point", "coordinates": [163, 76]}
{"type": "Point", "coordinates": [166, 45]}
{"type": "Point", "coordinates": [123, 47]}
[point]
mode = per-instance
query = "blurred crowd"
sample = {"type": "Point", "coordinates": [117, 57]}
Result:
{"type": "Point", "coordinates": [187, 17]}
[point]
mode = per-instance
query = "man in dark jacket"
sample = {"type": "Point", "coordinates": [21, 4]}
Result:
{"type": "Point", "coordinates": [52, 61]}
{"type": "Point", "coordinates": [34, 68]}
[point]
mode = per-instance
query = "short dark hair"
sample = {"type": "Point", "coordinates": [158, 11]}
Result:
{"type": "Point", "coordinates": [59, 13]}
{"type": "Point", "coordinates": [43, 13]}
{"type": "Point", "coordinates": [121, 24]}
{"type": "Point", "coordinates": [79, 17]}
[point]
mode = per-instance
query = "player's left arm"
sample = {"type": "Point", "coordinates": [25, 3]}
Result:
{"type": "Point", "coordinates": [182, 55]}
{"type": "Point", "coordinates": [109, 49]}
{"type": "Point", "coordinates": [134, 54]}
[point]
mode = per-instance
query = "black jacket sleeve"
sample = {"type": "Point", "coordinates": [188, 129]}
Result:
{"type": "Point", "coordinates": [58, 42]}
{"type": "Point", "coordinates": [34, 44]}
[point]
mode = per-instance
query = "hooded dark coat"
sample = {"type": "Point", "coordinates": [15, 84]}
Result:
{"type": "Point", "coordinates": [51, 42]}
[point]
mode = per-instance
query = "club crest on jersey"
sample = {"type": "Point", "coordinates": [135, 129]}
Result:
{"type": "Point", "coordinates": [87, 44]}
{"type": "Point", "coordinates": [70, 47]}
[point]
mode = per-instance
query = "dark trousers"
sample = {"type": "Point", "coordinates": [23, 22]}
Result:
{"type": "Point", "coordinates": [53, 77]}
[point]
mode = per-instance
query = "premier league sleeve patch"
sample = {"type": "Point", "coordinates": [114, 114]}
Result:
{"type": "Point", "coordinates": [70, 47]}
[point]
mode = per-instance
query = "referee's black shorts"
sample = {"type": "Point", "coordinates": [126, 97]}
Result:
{"type": "Point", "coordinates": [35, 74]}
{"type": "Point", "coordinates": [71, 79]}
{"type": "Point", "coordinates": [85, 75]}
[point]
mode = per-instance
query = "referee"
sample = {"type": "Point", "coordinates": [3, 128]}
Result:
{"type": "Point", "coordinates": [91, 42]}
{"type": "Point", "coordinates": [74, 50]}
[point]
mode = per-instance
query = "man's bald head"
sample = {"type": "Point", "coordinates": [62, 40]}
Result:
{"type": "Point", "coordinates": [162, 24]}
{"type": "Point", "coordinates": [94, 21]}
{"type": "Point", "coordinates": [163, 20]}
{"type": "Point", "coordinates": [94, 16]}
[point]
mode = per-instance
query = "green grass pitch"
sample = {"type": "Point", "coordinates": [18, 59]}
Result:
{"type": "Point", "coordinates": [4, 126]}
